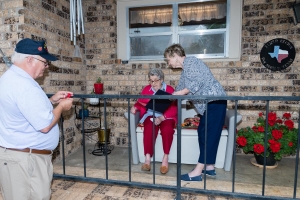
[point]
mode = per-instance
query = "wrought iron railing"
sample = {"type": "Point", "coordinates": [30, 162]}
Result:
{"type": "Point", "coordinates": [234, 103]}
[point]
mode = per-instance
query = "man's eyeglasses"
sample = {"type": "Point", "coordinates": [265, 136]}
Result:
{"type": "Point", "coordinates": [155, 81]}
{"type": "Point", "coordinates": [46, 63]}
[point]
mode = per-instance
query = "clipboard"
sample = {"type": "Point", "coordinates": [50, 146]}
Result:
{"type": "Point", "coordinates": [161, 105]}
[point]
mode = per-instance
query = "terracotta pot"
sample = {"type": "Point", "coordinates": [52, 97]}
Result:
{"type": "Point", "coordinates": [270, 160]}
{"type": "Point", "coordinates": [98, 88]}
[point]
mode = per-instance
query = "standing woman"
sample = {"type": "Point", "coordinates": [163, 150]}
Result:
{"type": "Point", "coordinates": [197, 79]}
{"type": "Point", "coordinates": [165, 122]}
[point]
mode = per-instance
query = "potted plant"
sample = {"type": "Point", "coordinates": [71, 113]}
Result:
{"type": "Point", "coordinates": [98, 86]}
{"type": "Point", "coordinates": [84, 112]}
{"type": "Point", "coordinates": [281, 137]}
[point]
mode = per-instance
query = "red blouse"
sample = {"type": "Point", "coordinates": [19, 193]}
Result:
{"type": "Point", "coordinates": [170, 113]}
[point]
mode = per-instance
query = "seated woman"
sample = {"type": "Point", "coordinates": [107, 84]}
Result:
{"type": "Point", "coordinates": [165, 122]}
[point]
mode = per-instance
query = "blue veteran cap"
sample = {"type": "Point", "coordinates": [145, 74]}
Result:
{"type": "Point", "coordinates": [32, 47]}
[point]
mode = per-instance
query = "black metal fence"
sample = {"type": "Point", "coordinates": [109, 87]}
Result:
{"type": "Point", "coordinates": [234, 103]}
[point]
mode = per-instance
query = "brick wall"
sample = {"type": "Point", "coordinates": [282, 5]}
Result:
{"type": "Point", "coordinates": [49, 21]}
{"type": "Point", "coordinates": [263, 20]}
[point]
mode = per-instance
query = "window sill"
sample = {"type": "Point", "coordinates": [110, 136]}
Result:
{"type": "Point", "coordinates": [203, 59]}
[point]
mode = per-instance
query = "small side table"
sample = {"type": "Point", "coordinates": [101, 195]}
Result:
{"type": "Point", "coordinates": [92, 125]}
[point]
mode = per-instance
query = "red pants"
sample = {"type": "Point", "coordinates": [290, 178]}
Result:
{"type": "Point", "coordinates": [166, 130]}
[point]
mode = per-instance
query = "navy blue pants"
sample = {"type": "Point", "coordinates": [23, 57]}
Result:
{"type": "Point", "coordinates": [216, 112]}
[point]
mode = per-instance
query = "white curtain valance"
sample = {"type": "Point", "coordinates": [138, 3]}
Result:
{"type": "Point", "coordinates": [202, 12]}
{"type": "Point", "coordinates": [186, 12]}
{"type": "Point", "coordinates": [150, 16]}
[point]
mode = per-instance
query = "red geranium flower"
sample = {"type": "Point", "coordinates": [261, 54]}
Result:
{"type": "Point", "coordinates": [272, 118]}
{"type": "Point", "coordinates": [290, 144]}
{"type": "Point", "coordinates": [255, 129]}
{"type": "Point", "coordinates": [258, 148]}
{"type": "Point", "coordinates": [287, 115]}
{"type": "Point", "coordinates": [289, 124]}
{"type": "Point", "coordinates": [271, 123]}
{"type": "Point", "coordinates": [275, 146]}
{"type": "Point", "coordinates": [242, 141]}
{"type": "Point", "coordinates": [277, 134]}
{"type": "Point", "coordinates": [261, 129]}
{"type": "Point", "coordinates": [271, 141]}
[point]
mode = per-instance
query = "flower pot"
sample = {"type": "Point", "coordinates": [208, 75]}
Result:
{"type": "Point", "coordinates": [94, 101]}
{"type": "Point", "coordinates": [270, 160]}
{"type": "Point", "coordinates": [85, 113]}
{"type": "Point", "coordinates": [98, 87]}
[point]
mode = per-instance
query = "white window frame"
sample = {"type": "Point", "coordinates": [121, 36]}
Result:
{"type": "Point", "coordinates": [233, 32]}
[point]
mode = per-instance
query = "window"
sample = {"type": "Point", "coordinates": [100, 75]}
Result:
{"type": "Point", "coordinates": [150, 31]}
{"type": "Point", "coordinates": [203, 28]}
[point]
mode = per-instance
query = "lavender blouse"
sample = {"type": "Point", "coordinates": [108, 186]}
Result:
{"type": "Point", "coordinates": [198, 79]}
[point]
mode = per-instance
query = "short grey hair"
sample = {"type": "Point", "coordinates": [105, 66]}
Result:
{"type": "Point", "coordinates": [156, 72]}
{"type": "Point", "coordinates": [174, 49]}
{"type": "Point", "coordinates": [18, 57]}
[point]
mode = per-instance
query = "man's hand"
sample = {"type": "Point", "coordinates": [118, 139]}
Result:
{"type": "Point", "coordinates": [56, 98]}
{"type": "Point", "coordinates": [66, 104]}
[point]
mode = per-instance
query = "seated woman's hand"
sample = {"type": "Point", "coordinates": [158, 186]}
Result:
{"type": "Point", "coordinates": [158, 120]}
{"type": "Point", "coordinates": [133, 110]}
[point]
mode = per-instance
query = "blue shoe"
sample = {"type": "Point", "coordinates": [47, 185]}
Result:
{"type": "Point", "coordinates": [211, 173]}
{"type": "Point", "coordinates": [185, 177]}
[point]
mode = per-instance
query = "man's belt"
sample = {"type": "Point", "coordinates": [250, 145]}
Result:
{"type": "Point", "coordinates": [28, 150]}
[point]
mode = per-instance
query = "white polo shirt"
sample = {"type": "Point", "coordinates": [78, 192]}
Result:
{"type": "Point", "coordinates": [25, 110]}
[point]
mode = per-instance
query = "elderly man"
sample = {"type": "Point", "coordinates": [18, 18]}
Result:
{"type": "Point", "coordinates": [28, 124]}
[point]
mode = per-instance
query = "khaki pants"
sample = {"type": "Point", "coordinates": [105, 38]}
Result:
{"type": "Point", "coordinates": [25, 176]}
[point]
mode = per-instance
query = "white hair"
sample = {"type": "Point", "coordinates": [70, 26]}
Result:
{"type": "Point", "coordinates": [18, 57]}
